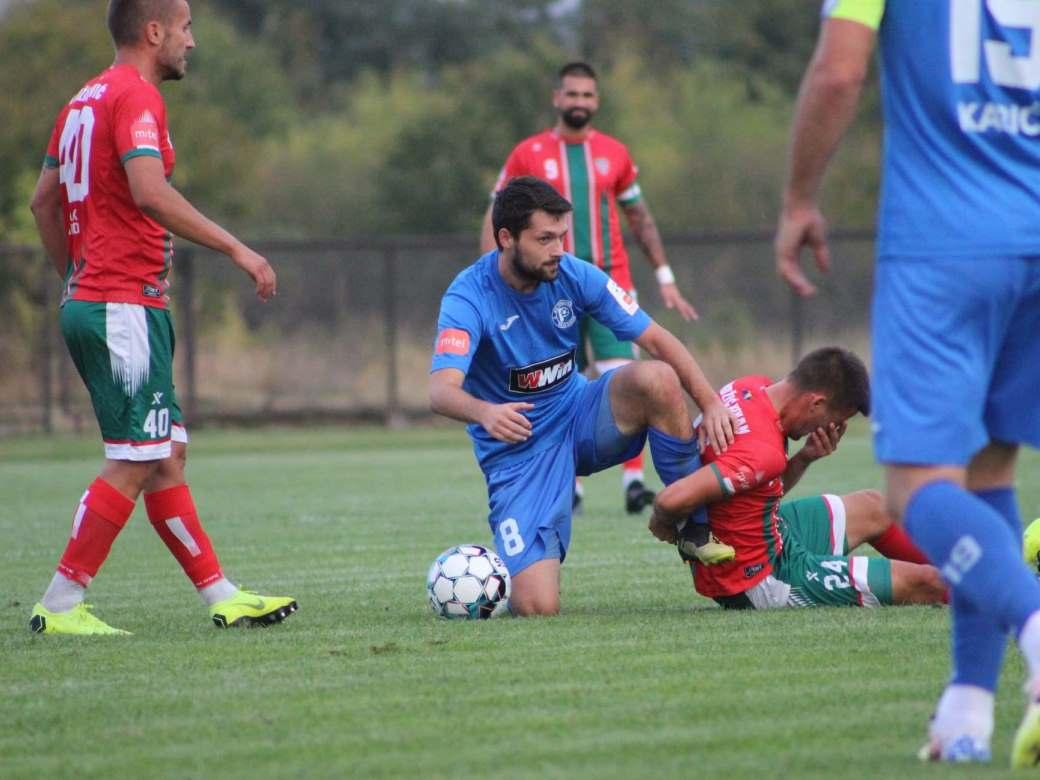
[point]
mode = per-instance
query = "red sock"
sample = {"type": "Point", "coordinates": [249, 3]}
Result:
{"type": "Point", "coordinates": [634, 464]}
{"type": "Point", "coordinates": [173, 516]}
{"type": "Point", "coordinates": [102, 513]}
{"type": "Point", "coordinates": [895, 544]}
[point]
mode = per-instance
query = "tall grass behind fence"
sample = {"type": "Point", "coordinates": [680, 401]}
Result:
{"type": "Point", "coordinates": [350, 331]}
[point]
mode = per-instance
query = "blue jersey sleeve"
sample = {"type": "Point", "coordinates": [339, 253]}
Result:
{"type": "Point", "coordinates": [459, 328]}
{"type": "Point", "coordinates": [610, 305]}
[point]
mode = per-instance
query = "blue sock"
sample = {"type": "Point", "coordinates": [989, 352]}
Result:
{"type": "Point", "coordinates": [674, 459]}
{"type": "Point", "coordinates": [979, 641]}
{"type": "Point", "coordinates": [976, 552]}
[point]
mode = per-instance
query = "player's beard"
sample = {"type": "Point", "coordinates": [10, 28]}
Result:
{"type": "Point", "coordinates": [539, 273]}
{"type": "Point", "coordinates": [576, 118]}
{"type": "Point", "coordinates": [173, 69]}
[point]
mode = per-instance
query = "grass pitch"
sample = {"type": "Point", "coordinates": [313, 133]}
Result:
{"type": "Point", "coordinates": [637, 678]}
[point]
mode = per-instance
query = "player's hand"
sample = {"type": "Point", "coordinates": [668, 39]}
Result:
{"type": "Point", "coordinates": [823, 441]}
{"type": "Point", "coordinates": [716, 428]}
{"type": "Point", "coordinates": [673, 299]}
{"type": "Point", "coordinates": [258, 269]}
{"type": "Point", "coordinates": [801, 227]}
{"type": "Point", "coordinates": [506, 422]}
{"type": "Point", "coordinates": [663, 528]}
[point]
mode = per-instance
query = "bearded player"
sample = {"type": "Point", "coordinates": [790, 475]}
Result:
{"type": "Point", "coordinates": [596, 174]}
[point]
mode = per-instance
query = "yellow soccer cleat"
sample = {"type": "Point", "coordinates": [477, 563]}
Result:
{"type": "Point", "coordinates": [1025, 750]}
{"type": "Point", "coordinates": [713, 551]}
{"type": "Point", "coordinates": [1031, 546]}
{"type": "Point", "coordinates": [77, 620]}
{"type": "Point", "coordinates": [250, 609]}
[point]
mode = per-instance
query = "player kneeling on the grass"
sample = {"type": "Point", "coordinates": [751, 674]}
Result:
{"type": "Point", "coordinates": [105, 210]}
{"type": "Point", "coordinates": [504, 362]}
{"type": "Point", "coordinates": [793, 554]}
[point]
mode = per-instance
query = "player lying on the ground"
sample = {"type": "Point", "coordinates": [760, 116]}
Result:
{"type": "Point", "coordinates": [504, 362]}
{"type": "Point", "coordinates": [792, 554]}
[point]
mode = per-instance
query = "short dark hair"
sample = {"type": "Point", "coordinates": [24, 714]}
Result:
{"type": "Point", "coordinates": [582, 69]}
{"type": "Point", "coordinates": [838, 373]}
{"type": "Point", "coordinates": [519, 199]}
{"type": "Point", "coordinates": [126, 18]}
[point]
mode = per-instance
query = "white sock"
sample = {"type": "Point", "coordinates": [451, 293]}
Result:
{"type": "Point", "coordinates": [218, 591]}
{"type": "Point", "coordinates": [62, 594]}
{"type": "Point", "coordinates": [628, 476]}
{"type": "Point", "coordinates": [964, 710]}
{"type": "Point", "coordinates": [1029, 644]}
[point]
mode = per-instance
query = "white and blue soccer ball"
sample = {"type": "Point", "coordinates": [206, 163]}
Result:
{"type": "Point", "coordinates": [469, 582]}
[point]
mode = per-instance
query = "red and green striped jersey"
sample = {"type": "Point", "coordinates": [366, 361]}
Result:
{"type": "Point", "coordinates": [751, 474]}
{"type": "Point", "coordinates": [594, 175]}
{"type": "Point", "coordinates": [117, 254]}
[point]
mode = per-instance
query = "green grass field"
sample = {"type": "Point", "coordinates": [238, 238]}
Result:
{"type": "Point", "coordinates": [636, 678]}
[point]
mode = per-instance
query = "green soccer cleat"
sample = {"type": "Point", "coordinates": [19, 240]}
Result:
{"type": "Point", "coordinates": [77, 620]}
{"type": "Point", "coordinates": [1025, 750]}
{"type": "Point", "coordinates": [250, 609]}
{"type": "Point", "coordinates": [1031, 546]}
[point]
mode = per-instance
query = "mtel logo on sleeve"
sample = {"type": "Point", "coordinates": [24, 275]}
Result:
{"type": "Point", "coordinates": [539, 377]}
{"type": "Point", "coordinates": [453, 341]}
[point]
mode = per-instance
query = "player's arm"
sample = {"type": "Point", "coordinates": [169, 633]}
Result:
{"type": "Point", "coordinates": [819, 444]}
{"type": "Point", "coordinates": [826, 105]}
{"type": "Point", "coordinates": [717, 425]}
{"type": "Point", "coordinates": [644, 230]}
{"type": "Point", "coordinates": [157, 198]}
{"type": "Point", "coordinates": [504, 422]}
{"type": "Point", "coordinates": [46, 208]}
{"type": "Point", "coordinates": [674, 504]}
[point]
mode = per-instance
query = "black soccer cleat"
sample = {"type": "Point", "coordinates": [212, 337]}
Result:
{"type": "Point", "coordinates": [637, 497]}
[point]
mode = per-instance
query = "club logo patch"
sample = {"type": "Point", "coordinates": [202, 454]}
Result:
{"type": "Point", "coordinates": [602, 165]}
{"type": "Point", "coordinates": [539, 377]}
{"type": "Point", "coordinates": [563, 314]}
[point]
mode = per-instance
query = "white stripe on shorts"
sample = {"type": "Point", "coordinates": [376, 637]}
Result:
{"type": "Point", "coordinates": [178, 433]}
{"type": "Point", "coordinates": [838, 525]}
{"type": "Point", "coordinates": [859, 565]}
{"type": "Point", "coordinates": [159, 450]}
{"type": "Point", "coordinates": [126, 332]}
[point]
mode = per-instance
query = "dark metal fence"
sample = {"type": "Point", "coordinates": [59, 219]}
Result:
{"type": "Point", "coordinates": [349, 335]}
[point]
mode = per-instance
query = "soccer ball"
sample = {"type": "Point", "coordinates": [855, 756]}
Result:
{"type": "Point", "coordinates": [468, 581]}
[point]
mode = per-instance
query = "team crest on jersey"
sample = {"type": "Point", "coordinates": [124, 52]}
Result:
{"type": "Point", "coordinates": [602, 165]}
{"type": "Point", "coordinates": [563, 314]}
{"type": "Point", "coordinates": [538, 377]}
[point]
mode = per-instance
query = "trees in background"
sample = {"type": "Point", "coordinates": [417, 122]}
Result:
{"type": "Point", "coordinates": [345, 117]}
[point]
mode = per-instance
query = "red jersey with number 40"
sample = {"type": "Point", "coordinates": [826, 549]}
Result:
{"type": "Point", "coordinates": [117, 253]}
{"type": "Point", "coordinates": [750, 472]}
{"type": "Point", "coordinates": [594, 175]}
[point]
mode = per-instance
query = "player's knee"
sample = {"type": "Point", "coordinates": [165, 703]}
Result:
{"type": "Point", "coordinates": [918, 584]}
{"type": "Point", "coordinates": [875, 512]}
{"type": "Point", "coordinates": [534, 606]}
{"type": "Point", "coordinates": [659, 384]}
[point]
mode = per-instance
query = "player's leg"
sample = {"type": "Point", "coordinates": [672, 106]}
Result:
{"type": "Point", "coordinates": [530, 519]}
{"type": "Point", "coordinates": [934, 404]}
{"type": "Point", "coordinates": [172, 512]}
{"type": "Point", "coordinates": [608, 354]}
{"type": "Point", "coordinates": [865, 520]}
{"type": "Point", "coordinates": [109, 345]}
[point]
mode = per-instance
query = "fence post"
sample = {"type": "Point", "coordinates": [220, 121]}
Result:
{"type": "Point", "coordinates": [797, 327]}
{"type": "Point", "coordinates": [46, 347]}
{"type": "Point", "coordinates": [185, 263]}
{"type": "Point", "coordinates": [394, 418]}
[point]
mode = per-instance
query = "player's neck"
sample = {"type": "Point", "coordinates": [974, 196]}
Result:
{"type": "Point", "coordinates": [510, 276]}
{"type": "Point", "coordinates": [141, 62]}
{"type": "Point", "coordinates": [570, 135]}
{"type": "Point", "coordinates": [780, 393]}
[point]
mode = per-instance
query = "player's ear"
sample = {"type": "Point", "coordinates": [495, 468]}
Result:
{"type": "Point", "coordinates": [505, 238]}
{"type": "Point", "coordinates": [154, 32]}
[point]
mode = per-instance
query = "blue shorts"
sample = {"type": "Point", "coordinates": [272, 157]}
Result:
{"type": "Point", "coordinates": [956, 354]}
{"type": "Point", "coordinates": [530, 502]}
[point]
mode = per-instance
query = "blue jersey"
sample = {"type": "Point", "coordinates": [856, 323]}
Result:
{"type": "Point", "coordinates": [960, 82]}
{"type": "Point", "coordinates": [522, 347]}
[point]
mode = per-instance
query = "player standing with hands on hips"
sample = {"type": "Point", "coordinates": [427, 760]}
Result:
{"type": "Point", "coordinates": [956, 308]}
{"type": "Point", "coordinates": [595, 172]}
{"type": "Point", "coordinates": [105, 211]}
{"type": "Point", "coordinates": [504, 362]}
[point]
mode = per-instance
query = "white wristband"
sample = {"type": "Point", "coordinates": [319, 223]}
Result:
{"type": "Point", "coordinates": [664, 274]}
